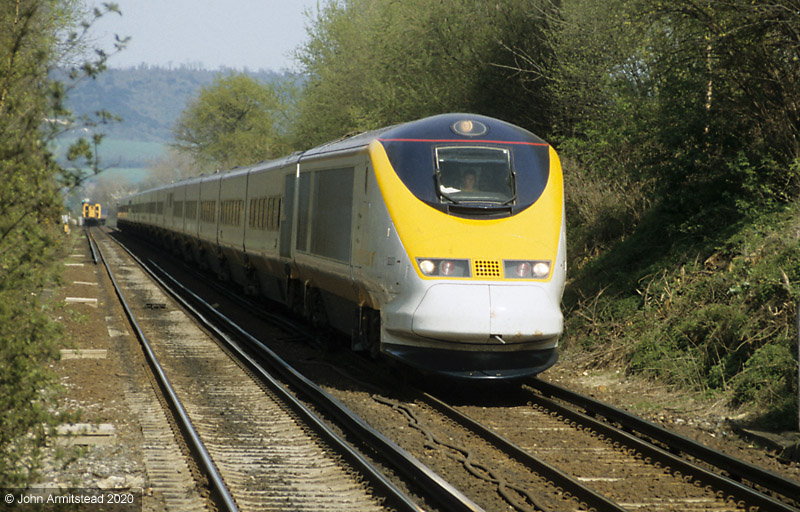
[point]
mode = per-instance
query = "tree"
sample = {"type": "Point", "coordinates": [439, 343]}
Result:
{"type": "Point", "coordinates": [375, 63]}
{"type": "Point", "coordinates": [746, 116]}
{"type": "Point", "coordinates": [700, 96]}
{"type": "Point", "coordinates": [693, 106]}
{"type": "Point", "coordinates": [236, 121]}
{"type": "Point", "coordinates": [34, 36]}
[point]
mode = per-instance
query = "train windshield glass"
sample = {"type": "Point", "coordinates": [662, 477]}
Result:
{"type": "Point", "coordinates": [475, 174]}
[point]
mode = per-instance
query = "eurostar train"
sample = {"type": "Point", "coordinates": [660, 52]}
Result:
{"type": "Point", "coordinates": [439, 243]}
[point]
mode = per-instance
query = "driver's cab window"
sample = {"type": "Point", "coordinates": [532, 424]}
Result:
{"type": "Point", "coordinates": [474, 175]}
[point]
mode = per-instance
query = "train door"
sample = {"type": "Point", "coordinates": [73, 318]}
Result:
{"type": "Point", "coordinates": [287, 217]}
{"type": "Point", "coordinates": [361, 254]}
{"type": "Point", "coordinates": [169, 213]}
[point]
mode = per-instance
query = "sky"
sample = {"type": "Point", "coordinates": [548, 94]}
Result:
{"type": "Point", "coordinates": [256, 34]}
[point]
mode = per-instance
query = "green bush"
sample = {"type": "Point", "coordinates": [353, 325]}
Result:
{"type": "Point", "coordinates": [768, 381]}
{"type": "Point", "coordinates": [722, 322]}
{"type": "Point", "coordinates": [27, 387]}
{"type": "Point", "coordinates": [30, 232]}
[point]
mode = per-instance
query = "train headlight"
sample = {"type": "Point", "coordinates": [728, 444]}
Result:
{"type": "Point", "coordinates": [523, 269]}
{"type": "Point", "coordinates": [526, 269]}
{"type": "Point", "coordinates": [469, 128]}
{"type": "Point", "coordinates": [541, 269]}
{"type": "Point", "coordinates": [447, 268]}
{"type": "Point", "coordinates": [427, 267]}
{"type": "Point", "coordinates": [440, 267]}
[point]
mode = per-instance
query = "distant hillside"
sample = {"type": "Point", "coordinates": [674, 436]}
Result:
{"type": "Point", "coordinates": [148, 99]}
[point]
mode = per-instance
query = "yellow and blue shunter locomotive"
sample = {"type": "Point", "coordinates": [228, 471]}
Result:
{"type": "Point", "coordinates": [439, 243]}
{"type": "Point", "coordinates": [91, 213]}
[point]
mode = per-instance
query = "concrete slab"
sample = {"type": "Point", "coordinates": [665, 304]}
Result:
{"type": "Point", "coordinates": [71, 434]}
{"type": "Point", "coordinates": [82, 300]}
{"type": "Point", "coordinates": [87, 353]}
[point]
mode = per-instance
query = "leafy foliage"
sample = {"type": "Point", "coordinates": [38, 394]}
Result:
{"type": "Point", "coordinates": [688, 121]}
{"type": "Point", "coordinates": [234, 121]}
{"type": "Point", "coordinates": [30, 205]}
{"type": "Point", "coordinates": [700, 314]}
{"type": "Point", "coordinates": [371, 64]}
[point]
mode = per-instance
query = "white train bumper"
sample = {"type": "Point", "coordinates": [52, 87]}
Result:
{"type": "Point", "coordinates": [486, 313]}
{"type": "Point", "coordinates": [474, 331]}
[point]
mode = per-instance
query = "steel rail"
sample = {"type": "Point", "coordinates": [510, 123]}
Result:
{"type": "Point", "coordinates": [438, 488]}
{"type": "Point", "coordinates": [583, 493]}
{"type": "Point", "coordinates": [675, 462]}
{"type": "Point", "coordinates": [90, 239]}
{"type": "Point", "coordinates": [580, 491]}
{"type": "Point", "coordinates": [731, 465]}
{"type": "Point", "coordinates": [215, 479]}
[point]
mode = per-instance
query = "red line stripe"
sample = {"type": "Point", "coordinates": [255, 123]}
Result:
{"type": "Point", "coordinates": [462, 140]}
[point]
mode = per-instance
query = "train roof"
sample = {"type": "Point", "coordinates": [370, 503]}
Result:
{"type": "Point", "coordinates": [461, 127]}
{"type": "Point", "coordinates": [454, 127]}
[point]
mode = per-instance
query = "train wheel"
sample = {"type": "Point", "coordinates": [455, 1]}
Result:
{"type": "Point", "coordinates": [367, 338]}
{"type": "Point", "coordinates": [295, 297]}
{"type": "Point", "coordinates": [315, 308]}
{"type": "Point", "coordinates": [223, 273]}
{"type": "Point", "coordinates": [253, 285]}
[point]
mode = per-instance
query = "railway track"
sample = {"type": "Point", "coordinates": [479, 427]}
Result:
{"type": "Point", "coordinates": [699, 461]}
{"type": "Point", "coordinates": [546, 456]}
{"type": "Point", "coordinates": [253, 449]}
{"type": "Point", "coordinates": [634, 473]}
{"type": "Point", "coordinates": [542, 455]}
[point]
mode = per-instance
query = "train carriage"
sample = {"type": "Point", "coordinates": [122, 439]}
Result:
{"type": "Point", "coordinates": [233, 192]}
{"type": "Point", "coordinates": [191, 217]}
{"type": "Point", "coordinates": [439, 243]}
{"type": "Point", "coordinates": [265, 255]}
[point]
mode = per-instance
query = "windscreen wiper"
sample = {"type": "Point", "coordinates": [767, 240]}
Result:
{"type": "Point", "coordinates": [513, 189]}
